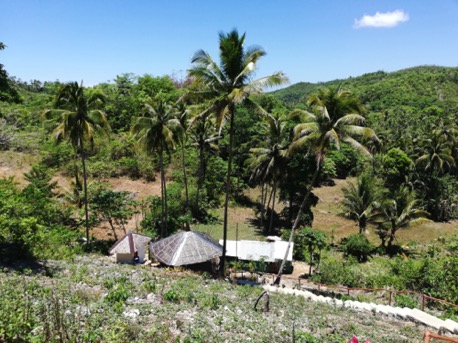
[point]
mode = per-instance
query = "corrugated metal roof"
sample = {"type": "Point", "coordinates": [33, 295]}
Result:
{"type": "Point", "coordinates": [256, 250]}
{"type": "Point", "coordinates": [183, 248]}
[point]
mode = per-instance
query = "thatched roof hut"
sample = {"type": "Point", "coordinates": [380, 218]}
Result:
{"type": "Point", "coordinates": [185, 248]}
{"type": "Point", "coordinates": [130, 246]}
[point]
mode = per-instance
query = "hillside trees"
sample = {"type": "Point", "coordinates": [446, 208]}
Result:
{"type": "Point", "coordinates": [227, 85]}
{"type": "Point", "coordinates": [8, 92]}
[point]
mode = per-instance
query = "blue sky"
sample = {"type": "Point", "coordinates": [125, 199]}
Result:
{"type": "Point", "coordinates": [309, 40]}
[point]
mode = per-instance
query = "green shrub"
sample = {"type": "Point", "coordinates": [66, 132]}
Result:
{"type": "Point", "coordinates": [358, 246]}
{"type": "Point", "coordinates": [405, 300]}
{"type": "Point", "coordinates": [172, 296]}
{"type": "Point", "coordinates": [117, 295]}
{"type": "Point", "coordinates": [129, 166]}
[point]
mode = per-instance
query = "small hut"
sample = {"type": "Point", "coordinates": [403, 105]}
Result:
{"type": "Point", "coordinates": [186, 248]}
{"type": "Point", "coordinates": [130, 248]}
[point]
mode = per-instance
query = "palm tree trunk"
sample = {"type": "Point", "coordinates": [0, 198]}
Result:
{"type": "Point", "coordinates": [268, 205]}
{"type": "Point", "coordinates": [200, 177]}
{"type": "Point", "coordinates": [86, 211]}
{"type": "Point", "coordinates": [290, 209]}
{"type": "Point", "coordinates": [185, 180]}
{"type": "Point", "coordinates": [392, 235]}
{"type": "Point", "coordinates": [166, 209]}
{"type": "Point", "coordinates": [263, 202]}
{"type": "Point", "coordinates": [362, 226]}
{"type": "Point", "coordinates": [163, 225]}
{"type": "Point", "coordinates": [274, 191]}
{"type": "Point", "coordinates": [296, 222]}
{"type": "Point", "coordinates": [228, 187]}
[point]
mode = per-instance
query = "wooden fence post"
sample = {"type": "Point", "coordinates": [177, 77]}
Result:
{"type": "Point", "coordinates": [427, 337]}
{"type": "Point", "coordinates": [422, 302]}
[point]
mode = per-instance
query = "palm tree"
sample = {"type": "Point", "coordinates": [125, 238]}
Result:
{"type": "Point", "coordinates": [227, 86]}
{"type": "Point", "coordinates": [80, 117]}
{"type": "Point", "coordinates": [157, 131]}
{"type": "Point", "coordinates": [361, 199]}
{"type": "Point", "coordinates": [401, 211]}
{"type": "Point", "coordinates": [436, 154]}
{"type": "Point", "coordinates": [267, 163]}
{"type": "Point", "coordinates": [337, 117]}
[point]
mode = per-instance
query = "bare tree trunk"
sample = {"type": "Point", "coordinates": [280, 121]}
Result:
{"type": "Point", "coordinates": [296, 222]}
{"type": "Point", "coordinates": [110, 221]}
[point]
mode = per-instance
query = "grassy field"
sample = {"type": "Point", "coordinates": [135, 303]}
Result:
{"type": "Point", "coordinates": [326, 219]}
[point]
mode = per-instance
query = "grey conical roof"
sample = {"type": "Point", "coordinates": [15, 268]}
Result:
{"type": "Point", "coordinates": [129, 243]}
{"type": "Point", "coordinates": [184, 248]}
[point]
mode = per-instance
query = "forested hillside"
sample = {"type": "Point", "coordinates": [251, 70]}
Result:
{"type": "Point", "coordinates": [417, 87]}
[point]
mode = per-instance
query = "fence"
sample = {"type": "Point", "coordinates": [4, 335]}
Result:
{"type": "Point", "coordinates": [299, 282]}
{"type": "Point", "coordinates": [429, 335]}
{"type": "Point", "coordinates": [423, 297]}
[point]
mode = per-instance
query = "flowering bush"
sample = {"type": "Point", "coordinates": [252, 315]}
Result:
{"type": "Point", "coordinates": [354, 339]}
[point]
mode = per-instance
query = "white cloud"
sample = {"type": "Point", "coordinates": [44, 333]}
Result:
{"type": "Point", "coordinates": [387, 19]}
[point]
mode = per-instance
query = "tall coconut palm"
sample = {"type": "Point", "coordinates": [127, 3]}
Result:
{"type": "Point", "coordinates": [157, 131]}
{"type": "Point", "coordinates": [81, 117]}
{"type": "Point", "coordinates": [361, 199]}
{"type": "Point", "coordinates": [337, 117]}
{"type": "Point", "coordinates": [228, 85]}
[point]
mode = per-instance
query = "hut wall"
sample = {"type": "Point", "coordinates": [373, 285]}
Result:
{"type": "Point", "coordinates": [141, 253]}
{"type": "Point", "coordinates": [124, 258]}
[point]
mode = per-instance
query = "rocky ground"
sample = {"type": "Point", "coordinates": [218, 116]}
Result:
{"type": "Point", "coordinates": [93, 299]}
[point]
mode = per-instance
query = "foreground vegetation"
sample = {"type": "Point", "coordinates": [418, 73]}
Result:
{"type": "Point", "coordinates": [90, 299]}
